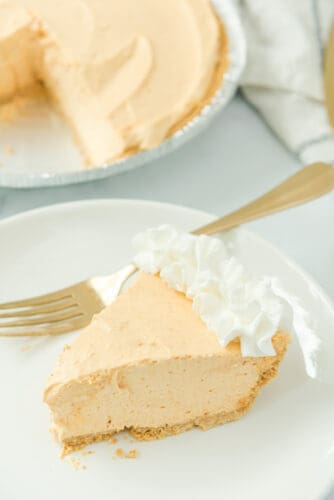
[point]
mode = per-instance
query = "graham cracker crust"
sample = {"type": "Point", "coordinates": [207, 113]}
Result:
{"type": "Point", "coordinates": [204, 422]}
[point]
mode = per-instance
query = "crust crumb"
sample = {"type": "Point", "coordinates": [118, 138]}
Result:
{"type": "Point", "coordinates": [75, 462]}
{"type": "Point", "coordinates": [119, 453]}
{"type": "Point", "coordinates": [26, 348]}
{"type": "Point", "coordinates": [132, 454]}
{"type": "Point", "coordinates": [85, 453]}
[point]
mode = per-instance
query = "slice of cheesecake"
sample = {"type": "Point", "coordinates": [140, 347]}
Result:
{"type": "Point", "coordinates": [148, 363]}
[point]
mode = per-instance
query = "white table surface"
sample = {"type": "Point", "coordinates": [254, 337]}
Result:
{"type": "Point", "coordinates": [235, 160]}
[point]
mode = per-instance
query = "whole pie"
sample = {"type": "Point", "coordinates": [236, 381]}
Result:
{"type": "Point", "coordinates": [125, 74]}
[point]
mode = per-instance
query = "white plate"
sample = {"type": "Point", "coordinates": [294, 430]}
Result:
{"type": "Point", "coordinates": [45, 155]}
{"type": "Point", "coordinates": [282, 449]}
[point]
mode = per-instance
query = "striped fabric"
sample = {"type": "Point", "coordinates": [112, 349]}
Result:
{"type": "Point", "coordinates": [283, 79]}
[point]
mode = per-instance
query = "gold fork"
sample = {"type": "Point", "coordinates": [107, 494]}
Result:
{"type": "Point", "coordinates": [73, 307]}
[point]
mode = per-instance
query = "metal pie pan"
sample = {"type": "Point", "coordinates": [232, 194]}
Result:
{"type": "Point", "coordinates": [48, 176]}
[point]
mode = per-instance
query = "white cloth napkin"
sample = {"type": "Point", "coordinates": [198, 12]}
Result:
{"type": "Point", "coordinates": [283, 78]}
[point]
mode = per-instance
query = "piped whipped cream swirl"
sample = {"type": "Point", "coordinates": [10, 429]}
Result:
{"type": "Point", "coordinates": [232, 302]}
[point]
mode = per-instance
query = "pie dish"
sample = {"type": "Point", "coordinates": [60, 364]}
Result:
{"type": "Point", "coordinates": [125, 75]}
{"type": "Point", "coordinates": [129, 94]}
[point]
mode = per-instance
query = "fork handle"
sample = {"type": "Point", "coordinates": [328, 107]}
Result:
{"type": "Point", "coordinates": [309, 183]}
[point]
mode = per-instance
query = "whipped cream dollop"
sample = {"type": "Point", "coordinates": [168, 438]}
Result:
{"type": "Point", "coordinates": [232, 302]}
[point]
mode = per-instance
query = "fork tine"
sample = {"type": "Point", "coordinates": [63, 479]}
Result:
{"type": "Point", "coordinates": [62, 311]}
{"type": "Point", "coordinates": [43, 320]}
{"type": "Point", "coordinates": [57, 296]}
{"type": "Point", "coordinates": [34, 311]}
{"type": "Point", "coordinates": [54, 329]}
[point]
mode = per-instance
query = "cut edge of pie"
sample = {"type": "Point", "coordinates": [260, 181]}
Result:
{"type": "Point", "coordinates": [204, 423]}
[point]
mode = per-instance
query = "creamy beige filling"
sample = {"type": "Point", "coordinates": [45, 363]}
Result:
{"type": "Point", "coordinates": [152, 394]}
{"type": "Point", "coordinates": [122, 81]}
{"type": "Point", "coordinates": [17, 54]}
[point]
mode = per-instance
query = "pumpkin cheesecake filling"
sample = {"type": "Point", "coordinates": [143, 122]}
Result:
{"type": "Point", "coordinates": [125, 75]}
